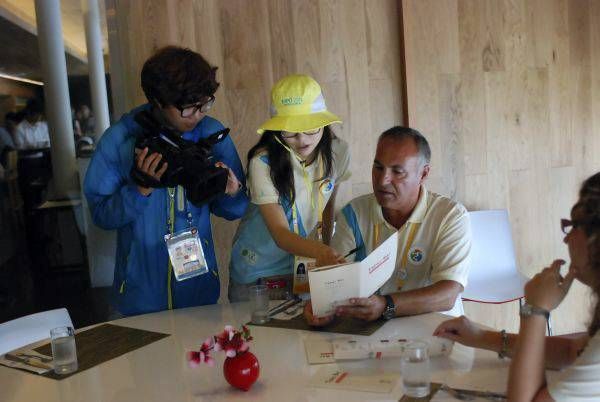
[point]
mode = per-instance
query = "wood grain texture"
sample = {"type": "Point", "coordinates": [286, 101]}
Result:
{"type": "Point", "coordinates": [350, 46]}
{"type": "Point", "coordinates": [515, 124]}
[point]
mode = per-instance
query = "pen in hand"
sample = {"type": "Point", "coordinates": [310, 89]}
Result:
{"type": "Point", "coordinates": [354, 250]}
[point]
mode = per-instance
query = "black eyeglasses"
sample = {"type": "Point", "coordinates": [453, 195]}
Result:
{"type": "Point", "coordinates": [187, 111]}
{"type": "Point", "coordinates": [567, 225]}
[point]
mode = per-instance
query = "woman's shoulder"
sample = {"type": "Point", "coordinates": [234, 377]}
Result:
{"type": "Point", "coordinates": [260, 156]}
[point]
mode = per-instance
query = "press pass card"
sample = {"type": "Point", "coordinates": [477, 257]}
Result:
{"type": "Point", "coordinates": [186, 254]}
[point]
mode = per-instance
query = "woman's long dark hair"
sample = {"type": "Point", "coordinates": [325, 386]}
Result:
{"type": "Point", "coordinates": [589, 205]}
{"type": "Point", "coordinates": [281, 171]}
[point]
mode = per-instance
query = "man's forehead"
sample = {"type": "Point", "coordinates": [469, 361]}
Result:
{"type": "Point", "coordinates": [391, 152]}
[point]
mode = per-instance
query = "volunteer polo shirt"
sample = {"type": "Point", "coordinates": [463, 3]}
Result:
{"type": "Point", "coordinates": [434, 243]}
{"type": "Point", "coordinates": [255, 254]}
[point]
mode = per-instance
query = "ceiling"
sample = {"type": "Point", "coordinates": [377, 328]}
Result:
{"type": "Point", "coordinates": [20, 54]}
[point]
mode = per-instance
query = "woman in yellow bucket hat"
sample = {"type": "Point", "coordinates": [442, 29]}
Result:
{"type": "Point", "coordinates": [293, 174]}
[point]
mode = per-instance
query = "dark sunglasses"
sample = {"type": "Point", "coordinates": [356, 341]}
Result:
{"type": "Point", "coordinates": [567, 225]}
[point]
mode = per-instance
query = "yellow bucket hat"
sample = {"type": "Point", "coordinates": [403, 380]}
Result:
{"type": "Point", "coordinates": [297, 105]}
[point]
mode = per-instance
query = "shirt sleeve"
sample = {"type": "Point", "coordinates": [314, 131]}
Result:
{"type": "Point", "coordinates": [581, 381]}
{"type": "Point", "coordinates": [225, 206]}
{"type": "Point", "coordinates": [114, 201]}
{"type": "Point", "coordinates": [262, 190]}
{"type": "Point", "coordinates": [342, 160]}
{"type": "Point", "coordinates": [20, 137]}
{"type": "Point", "coordinates": [451, 258]}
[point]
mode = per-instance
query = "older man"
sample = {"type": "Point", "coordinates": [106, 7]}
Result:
{"type": "Point", "coordinates": [434, 234]}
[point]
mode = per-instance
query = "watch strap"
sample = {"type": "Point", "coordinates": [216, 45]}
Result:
{"type": "Point", "coordinates": [528, 310]}
{"type": "Point", "coordinates": [390, 308]}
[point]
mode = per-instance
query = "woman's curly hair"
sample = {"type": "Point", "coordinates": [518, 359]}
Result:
{"type": "Point", "coordinates": [589, 207]}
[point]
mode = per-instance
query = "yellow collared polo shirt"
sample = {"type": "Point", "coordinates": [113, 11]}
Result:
{"type": "Point", "coordinates": [434, 243]}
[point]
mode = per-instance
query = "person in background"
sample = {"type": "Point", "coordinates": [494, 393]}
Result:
{"type": "Point", "coordinates": [180, 86]}
{"type": "Point", "coordinates": [11, 121]}
{"type": "Point", "coordinates": [6, 139]}
{"type": "Point", "coordinates": [76, 126]}
{"type": "Point", "coordinates": [86, 121]}
{"type": "Point", "coordinates": [531, 351]}
{"type": "Point", "coordinates": [32, 132]}
{"type": "Point", "coordinates": [294, 172]}
{"type": "Point", "coordinates": [434, 235]}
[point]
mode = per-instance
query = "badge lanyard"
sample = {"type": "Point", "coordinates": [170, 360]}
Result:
{"type": "Point", "coordinates": [303, 264]}
{"type": "Point", "coordinates": [403, 271]}
{"type": "Point", "coordinates": [186, 255]}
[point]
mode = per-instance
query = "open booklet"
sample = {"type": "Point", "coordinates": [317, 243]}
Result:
{"type": "Point", "coordinates": [334, 284]}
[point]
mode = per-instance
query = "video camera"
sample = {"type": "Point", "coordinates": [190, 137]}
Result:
{"type": "Point", "coordinates": [191, 164]}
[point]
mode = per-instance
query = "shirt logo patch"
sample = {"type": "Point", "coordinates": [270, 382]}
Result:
{"type": "Point", "coordinates": [416, 255]}
{"type": "Point", "coordinates": [327, 186]}
{"type": "Point", "coordinates": [249, 256]}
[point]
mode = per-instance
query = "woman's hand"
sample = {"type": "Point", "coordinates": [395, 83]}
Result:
{"type": "Point", "coordinates": [548, 288]}
{"type": "Point", "coordinates": [233, 184]}
{"type": "Point", "coordinates": [461, 330]}
{"type": "Point", "coordinates": [328, 256]}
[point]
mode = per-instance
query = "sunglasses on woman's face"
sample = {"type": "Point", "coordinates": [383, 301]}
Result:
{"type": "Point", "coordinates": [289, 135]}
{"type": "Point", "coordinates": [567, 225]}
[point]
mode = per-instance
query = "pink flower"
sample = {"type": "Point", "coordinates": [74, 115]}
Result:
{"type": "Point", "coordinates": [202, 356]}
{"type": "Point", "coordinates": [231, 341]}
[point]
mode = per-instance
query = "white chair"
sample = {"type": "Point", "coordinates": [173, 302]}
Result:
{"type": "Point", "coordinates": [494, 277]}
{"type": "Point", "coordinates": [31, 328]}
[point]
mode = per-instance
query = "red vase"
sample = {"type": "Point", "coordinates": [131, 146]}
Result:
{"type": "Point", "coordinates": [242, 370]}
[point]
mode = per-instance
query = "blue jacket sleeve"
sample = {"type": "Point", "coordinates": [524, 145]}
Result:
{"type": "Point", "coordinates": [225, 206]}
{"type": "Point", "coordinates": [114, 201]}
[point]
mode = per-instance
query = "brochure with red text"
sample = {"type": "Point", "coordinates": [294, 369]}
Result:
{"type": "Point", "coordinates": [333, 285]}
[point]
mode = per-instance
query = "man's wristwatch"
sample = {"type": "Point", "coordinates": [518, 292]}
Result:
{"type": "Point", "coordinates": [527, 310]}
{"type": "Point", "coordinates": [390, 308]}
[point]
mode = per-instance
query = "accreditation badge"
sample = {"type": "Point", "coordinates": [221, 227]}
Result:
{"type": "Point", "coordinates": [301, 267]}
{"type": "Point", "coordinates": [186, 254]}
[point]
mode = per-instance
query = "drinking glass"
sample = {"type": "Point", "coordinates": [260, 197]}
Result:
{"type": "Point", "coordinates": [416, 375]}
{"type": "Point", "coordinates": [259, 303]}
{"type": "Point", "coordinates": [64, 352]}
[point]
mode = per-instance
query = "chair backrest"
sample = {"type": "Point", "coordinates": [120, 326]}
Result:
{"type": "Point", "coordinates": [492, 250]}
{"type": "Point", "coordinates": [31, 328]}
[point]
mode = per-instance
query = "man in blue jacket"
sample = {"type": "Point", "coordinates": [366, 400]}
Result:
{"type": "Point", "coordinates": [179, 85]}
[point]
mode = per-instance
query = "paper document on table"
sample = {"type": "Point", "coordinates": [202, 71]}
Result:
{"type": "Point", "coordinates": [334, 285]}
{"type": "Point", "coordinates": [334, 376]}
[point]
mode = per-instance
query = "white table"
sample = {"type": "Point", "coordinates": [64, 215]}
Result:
{"type": "Point", "coordinates": [159, 371]}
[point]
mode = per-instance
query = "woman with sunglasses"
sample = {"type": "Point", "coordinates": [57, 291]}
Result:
{"type": "Point", "coordinates": [293, 175]}
{"type": "Point", "coordinates": [531, 350]}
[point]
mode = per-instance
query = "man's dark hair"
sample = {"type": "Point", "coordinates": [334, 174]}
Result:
{"type": "Point", "coordinates": [178, 76]}
{"type": "Point", "coordinates": [399, 133]}
{"type": "Point", "coordinates": [34, 107]}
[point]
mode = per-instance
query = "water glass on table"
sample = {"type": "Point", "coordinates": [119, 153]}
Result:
{"type": "Point", "coordinates": [64, 352]}
{"type": "Point", "coordinates": [416, 377]}
{"type": "Point", "coordinates": [259, 303]}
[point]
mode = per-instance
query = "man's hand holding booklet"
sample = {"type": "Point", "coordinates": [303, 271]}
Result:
{"type": "Point", "coordinates": [333, 285]}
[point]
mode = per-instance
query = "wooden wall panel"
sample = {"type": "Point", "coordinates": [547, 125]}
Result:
{"type": "Point", "coordinates": [350, 46]}
{"type": "Point", "coordinates": [512, 109]}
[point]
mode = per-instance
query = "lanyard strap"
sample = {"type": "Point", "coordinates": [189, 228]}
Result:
{"type": "Point", "coordinates": [171, 230]}
{"type": "Point", "coordinates": [171, 208]}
